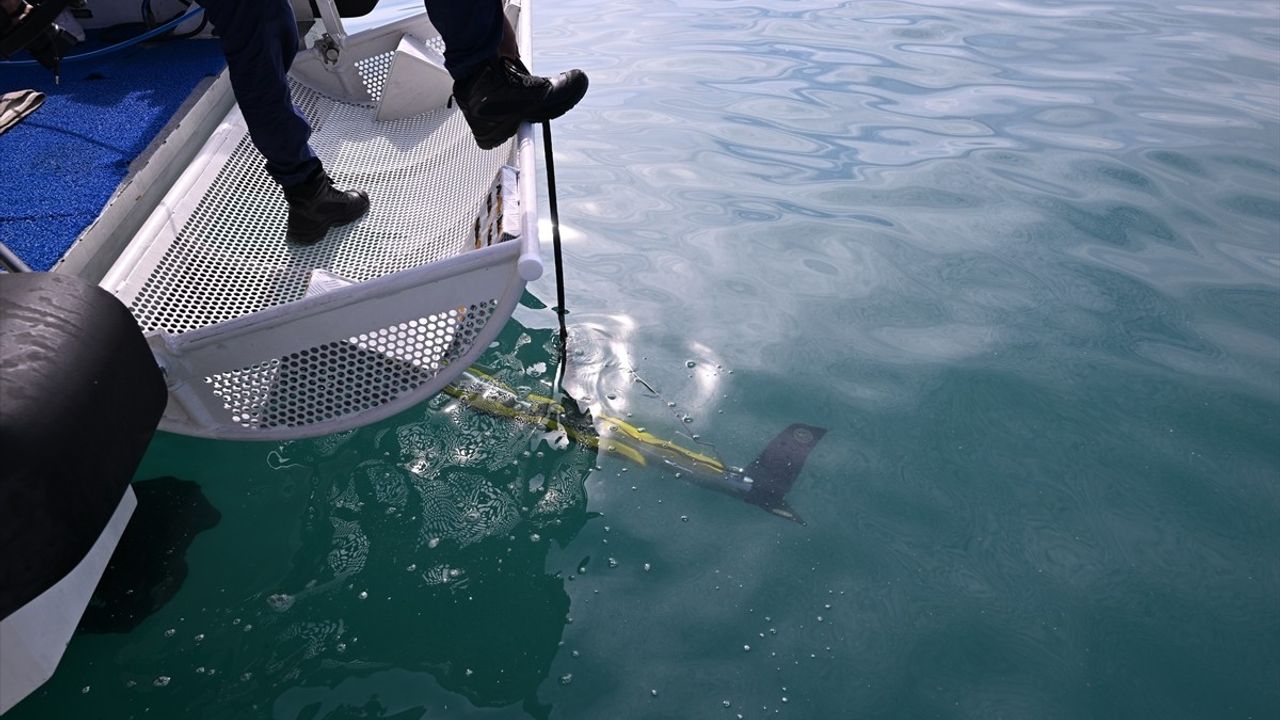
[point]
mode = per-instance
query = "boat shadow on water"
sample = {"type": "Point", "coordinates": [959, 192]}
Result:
{"type": "Point", "coordinates": [149, 565]}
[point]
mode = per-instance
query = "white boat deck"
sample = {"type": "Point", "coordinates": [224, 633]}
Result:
{"type": "Point", "coordinates": [251, 348]}
{"type": "Point", "coordinates": [220, 254]}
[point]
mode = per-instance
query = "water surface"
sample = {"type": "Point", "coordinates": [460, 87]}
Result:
{"type": "Point", "coordinates": [1021, 259]}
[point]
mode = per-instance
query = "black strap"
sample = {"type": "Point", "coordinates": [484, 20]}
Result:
{"type": "Point", "coordinates": [561, 310]}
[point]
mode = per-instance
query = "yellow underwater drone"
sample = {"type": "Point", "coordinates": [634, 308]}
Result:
{"type": "Point", "coordinates": [765, 482]}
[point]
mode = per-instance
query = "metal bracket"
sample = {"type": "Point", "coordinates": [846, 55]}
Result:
{"type": "Point", "coordinates": [329, 49]}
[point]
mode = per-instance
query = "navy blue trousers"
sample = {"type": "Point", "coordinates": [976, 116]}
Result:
{"type": "Point", "coordinates": [471, 30]}
{"type": "Point", "coordinates": [260, 40]}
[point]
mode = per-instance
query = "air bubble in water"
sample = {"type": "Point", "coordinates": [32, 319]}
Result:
{"type": "Point", "coordinates": [690, 363]}
{"type": "Point", "coordinates": [363, 595]}
{"type": "Point", "coordinates": [84, 690]}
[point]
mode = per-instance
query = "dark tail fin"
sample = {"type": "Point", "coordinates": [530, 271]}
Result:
{"type": "Point", "coordinates": [774, 473]}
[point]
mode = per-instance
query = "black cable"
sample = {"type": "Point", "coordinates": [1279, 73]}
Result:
{"type": "Point", "coordinates": [561, 310]}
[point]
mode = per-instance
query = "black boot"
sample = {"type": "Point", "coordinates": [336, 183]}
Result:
{"type": "Point", "coordinates": [315, 205]}
{"type": "Point", "coordinates": [501, 94]}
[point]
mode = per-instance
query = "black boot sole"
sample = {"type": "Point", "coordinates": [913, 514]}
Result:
{"type": "Point", "coordinates": [306, 232]}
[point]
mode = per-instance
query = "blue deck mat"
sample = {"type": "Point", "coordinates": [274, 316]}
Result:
{"type": "Point", "coordinates": [60, 165]}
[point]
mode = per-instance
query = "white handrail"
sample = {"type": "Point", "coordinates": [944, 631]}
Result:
{"type": "Point", "coordinates": [530, 263]}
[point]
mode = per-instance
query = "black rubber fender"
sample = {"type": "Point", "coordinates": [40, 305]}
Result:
{"type": "Point", "coordinates": [80, 398]}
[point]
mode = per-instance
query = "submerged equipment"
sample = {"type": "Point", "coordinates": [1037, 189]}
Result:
{"type": "Point", "coordinates": [764, 483]}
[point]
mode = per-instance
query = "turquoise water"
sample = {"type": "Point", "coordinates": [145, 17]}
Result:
{"type": "Point", "coordinates": [1021, 259]}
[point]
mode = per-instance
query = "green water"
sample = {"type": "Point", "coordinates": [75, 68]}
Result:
{"type": "Point", "coordinates": [1021, 259]}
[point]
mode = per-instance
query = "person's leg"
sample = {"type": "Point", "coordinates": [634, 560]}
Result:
{"type": "Point", "coordinates": [493, 88]}
{"type": "Point", "coordinates": [472, 31]}
{"type": "Point", "coordinates": [260, 40]}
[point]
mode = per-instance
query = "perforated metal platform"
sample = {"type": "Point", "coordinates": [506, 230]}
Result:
{"type": "Point", "coordinates": [439, 255]}
{"type": "Point", "coordinates": [425, 176]}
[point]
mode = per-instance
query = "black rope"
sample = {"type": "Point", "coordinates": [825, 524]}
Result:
{"type": "Point", "coordinates": [561, 310]}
